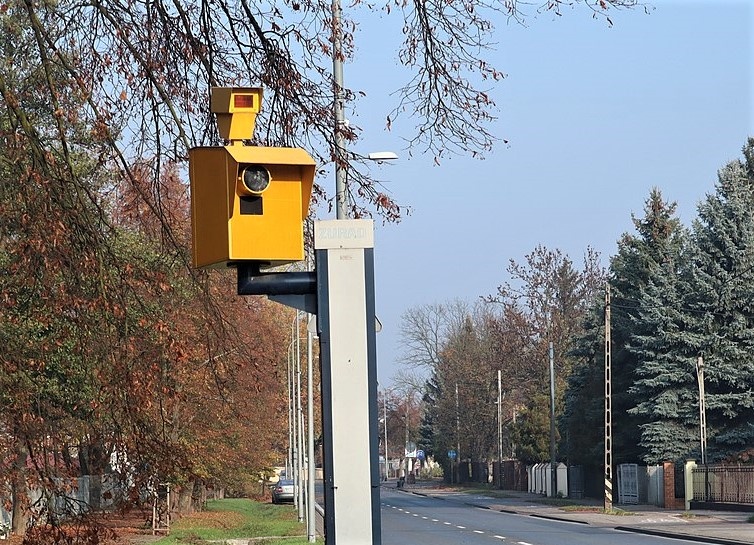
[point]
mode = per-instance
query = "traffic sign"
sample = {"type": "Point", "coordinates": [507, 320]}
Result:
{"type": "Point", "coordinates": [452, 454]}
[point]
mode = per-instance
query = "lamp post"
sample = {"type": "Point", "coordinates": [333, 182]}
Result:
{"type": "Point", "coordinates": [299, 424]}
{"type": "Point", "coordinates": [311, 529]}
{"type": "Point", "coordinates": [296, 415]}
{"type": "Point", "coordinates": [384, 412]}
{"type": "Point", "coordinates": [406, 452]}
{"type": "Point", "coordinates": [553, 463]}
{"type": "Point", "coordinates": [499, 428]}
{"type": "Point", "coordinates": [458, 441]}
{"type": "Point", "coordinates": [341, 154]}
{"type": "Point", "coordinates": [341, 196]}
{"type": "Point", "coordinates": [292, 420]}
{"type": "Point", "coordinates": [343, 338]}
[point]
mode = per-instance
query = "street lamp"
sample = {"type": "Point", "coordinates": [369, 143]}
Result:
{"type": "Point", "coordinates": [381, 156]}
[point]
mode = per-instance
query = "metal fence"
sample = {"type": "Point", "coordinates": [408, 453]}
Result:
{"type": "Point", "coordinates": [724, 483]}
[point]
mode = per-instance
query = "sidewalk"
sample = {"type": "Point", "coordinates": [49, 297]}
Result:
{"type": "Point", "coordinates": [719, 527]}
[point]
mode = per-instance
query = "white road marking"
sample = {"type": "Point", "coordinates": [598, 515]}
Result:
{"type": "Point", "coordinates": [461, 527]}
{"type": "Point", "coordinates": [499, 537]}
{"type": "Point", "coordinates": [425, 518]}
{"type": "Point", "coordinates": [435, 520]}
{"type": "Point", "coordinates": [446, 523]}
{"type": "Point", "coordinates": [523, 543]}
{"type": "Point", "coordinates": [478, 532]}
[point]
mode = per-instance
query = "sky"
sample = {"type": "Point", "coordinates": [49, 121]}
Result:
{"type": "Point", "coordinates": [595, 115]}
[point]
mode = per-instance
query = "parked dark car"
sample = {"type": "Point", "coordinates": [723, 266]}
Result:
{"type": "Point", "coordinates": [283, 491]}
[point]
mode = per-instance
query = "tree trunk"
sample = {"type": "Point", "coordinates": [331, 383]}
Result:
{"type": "Point", "coordinates": [19, 491]}
{"type": "Point", "coordinates": [185, 494]}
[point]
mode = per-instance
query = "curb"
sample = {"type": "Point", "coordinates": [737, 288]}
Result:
{"type": "Point", "coordinates": [559, 519]}
{"type": "Point", "coordinates": [685, 537]}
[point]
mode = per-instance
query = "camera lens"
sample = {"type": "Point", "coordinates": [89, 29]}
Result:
{"type": "Point", "coordinates": [255, 178]}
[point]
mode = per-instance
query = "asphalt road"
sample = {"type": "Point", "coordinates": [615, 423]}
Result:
{"type": "Point", "coordinates": [417, 520]}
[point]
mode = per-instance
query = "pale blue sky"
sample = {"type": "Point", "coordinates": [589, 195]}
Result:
{"type": "Point", "coordinates": [595, 115]}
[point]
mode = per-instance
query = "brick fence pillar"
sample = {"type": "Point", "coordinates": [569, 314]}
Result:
{"type": "Point", "coordinates": [668, 485]}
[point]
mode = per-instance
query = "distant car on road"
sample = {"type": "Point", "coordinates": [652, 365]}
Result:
{"type": "Point", "coordinates": [283, 491]}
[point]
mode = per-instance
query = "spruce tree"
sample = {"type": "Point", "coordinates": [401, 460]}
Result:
{"type": "Point", "coordinates": [663, 391]}
{"type": "Point", "coordinates": [723, 306]}
{"type": "Point", "coordinates": [656, 244]}
{"type": "Point", "coordinates": [702, 306]}
{"type": "Point", "coordinates": [657, 239]}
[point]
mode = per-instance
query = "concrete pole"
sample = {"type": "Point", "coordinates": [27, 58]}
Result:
{"type": "Point", "coordinates": [384, 409]}
{"type": "Point", "coordinates": [295, 356]}
{"type": "Point", "coordinates": [608, 503]}
{"type": "Point", "coordinates": [499, 428]}
{"type": "Point", "coordinates": [458, 440]}
{"type": "Point", "coordinates": [405, 450]}
{"type": "Point", "coordinates": [702, 410]}
{"type": "Point", "coordinates": [341, 193]}
{"type": "Point", "coordinates": [553, 462]}
{"type": "Point", "coordinates": [311, 526]}
{"type": "Point", "coordinates": [289, 381]}
{"type": "Point", "coordinates": [300, 423]}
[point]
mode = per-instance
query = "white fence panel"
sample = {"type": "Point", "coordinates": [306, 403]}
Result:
{"type": "Point", "coordinates": [628, 484]}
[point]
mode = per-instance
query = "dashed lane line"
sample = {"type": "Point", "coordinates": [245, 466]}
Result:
{"type": "Point", "coordinates": [450, 524]}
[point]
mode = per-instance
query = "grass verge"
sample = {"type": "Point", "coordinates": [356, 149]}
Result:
{"type": "Point", "coordinates": [574, 506]}
{"type": "Point", "coordinates": [481, 488]}
{"type": "Point", "coordinates": [564, 504]}
{"type": "Point", "coordinates": [237, 519]}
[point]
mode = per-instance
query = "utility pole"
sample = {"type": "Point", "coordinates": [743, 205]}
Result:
{"type": "Point", "coordinates": [702, 410]}
{"type": "Point", "coordinates": [384, 414]}
{"type": "Point", "coordinates": [458, 439]}
{"type": "Point", "coordinates": [499, 428]}
{"type": "Point", "coordinates": [553, 462]}
{"type": "Point", "coordinates": [608, 407]}
{"type": "Point", "coordinates": [405, 451]}
{"type": "Point", "coordinates": [702, 423]}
